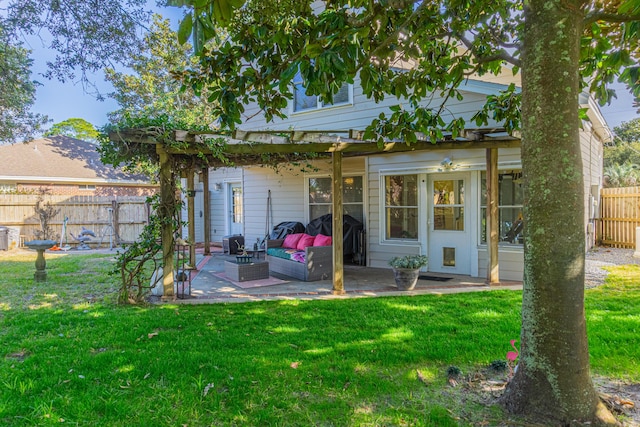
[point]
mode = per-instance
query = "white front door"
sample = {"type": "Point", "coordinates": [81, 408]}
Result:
{"type": "Point", "coordinates": [449, 240]}
{"type": "Point", "coordinates": [235, 208]}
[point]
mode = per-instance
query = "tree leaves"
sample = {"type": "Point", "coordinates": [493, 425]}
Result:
{"type": "Point", "coordinates": [18, 93]}
{"type": "Point", "coordinates": [184, 31]}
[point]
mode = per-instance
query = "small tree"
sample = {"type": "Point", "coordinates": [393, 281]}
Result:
{"type": "Point", "coordinates": [75, 128]}
{"type": "Point", "coordinates": [45, 213]}
{"type": "Point", "coordinates": [621, 175]}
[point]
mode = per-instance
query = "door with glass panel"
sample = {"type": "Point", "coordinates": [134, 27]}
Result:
{"type": "Point", "coordinates": [235, 208]}
{"type": "Point", "coordinates": [448, 224]}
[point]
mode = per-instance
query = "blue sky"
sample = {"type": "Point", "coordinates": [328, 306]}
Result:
{"type": "Point", "coordinates": [61, 101]}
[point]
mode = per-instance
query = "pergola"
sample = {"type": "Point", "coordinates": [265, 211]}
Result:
{"type": "Point", "coordinates": [249, 148]}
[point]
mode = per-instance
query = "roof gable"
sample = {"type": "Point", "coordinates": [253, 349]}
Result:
{"type": "Point", "coordinates": [61, 158]}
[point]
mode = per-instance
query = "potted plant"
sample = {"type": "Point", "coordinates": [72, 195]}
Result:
{"type": "Point", "coordinates": [406, 270]}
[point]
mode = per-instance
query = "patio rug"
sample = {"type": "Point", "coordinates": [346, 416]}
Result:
{"type": "Point", "coordinates": [271, 281]}
{"type": "Point", "coordinates": [434, 278]}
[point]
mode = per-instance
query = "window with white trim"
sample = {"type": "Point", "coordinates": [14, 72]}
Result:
{"type": "Point", "coordinates": [401, 207]}
{"type": "Point", "coordinates": [303, 102]}
{"type": "Point", "coordinates": [86, 187]}
{"type": "Point", "coordinates": [320, 200]}
{"type": "Point", "coordinates": [510, 206]}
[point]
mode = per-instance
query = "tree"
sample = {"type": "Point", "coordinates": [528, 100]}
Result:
{"type": "Point", "coordinates": [626, 145]}
{"type": "Point", "coordinates": [86, 37]}
{"type": "Point", "coordinates": [557, 43]}
{"type": "Point", "coordinates": [75, 128]}
{"type": "Point", "coordinates": [621, 175]}
{"type": "Point", "coordinates": [18, 92]}
{"type": "Point", "coordinates": [152, 96]}
{"type": "Point", "coordinates": [151, 90]}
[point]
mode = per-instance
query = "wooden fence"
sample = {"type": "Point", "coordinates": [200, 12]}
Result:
{"type": "Point", "coordinates": [619, 216]}
{"type": "Point", "coordinates": [113, 219]}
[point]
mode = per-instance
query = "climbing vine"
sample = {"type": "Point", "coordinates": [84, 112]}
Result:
{"type": "Point", "coordinates": [140, 265]}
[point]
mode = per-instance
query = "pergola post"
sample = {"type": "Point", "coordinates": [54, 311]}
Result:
{"type": "Point", "coordinates": [166, 210]}
{"type": "Point", "coordinates": [207, 211]}
{"type": "Point", "coordinates": [493, 267]}
{"type": "Point", "coordinates": [191, 216]}
{"type": "Point", "coordinates": [338, 233]}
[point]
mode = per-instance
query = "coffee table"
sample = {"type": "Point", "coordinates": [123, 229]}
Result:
{"type": "Point", "coordinates": [243, 272]}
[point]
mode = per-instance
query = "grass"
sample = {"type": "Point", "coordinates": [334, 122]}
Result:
{"type": "Point", "coordinates": [69, 354]}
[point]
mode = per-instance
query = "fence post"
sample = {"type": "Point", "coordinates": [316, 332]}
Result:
{"type": "Point", "coordinates": [636, 254]}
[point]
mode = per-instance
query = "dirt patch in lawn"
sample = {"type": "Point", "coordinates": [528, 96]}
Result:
{"type": "Point", "coordinates": [485, 388]}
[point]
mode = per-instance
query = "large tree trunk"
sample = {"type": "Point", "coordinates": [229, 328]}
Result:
{"type": "Point", "coordinates": [552, 381]}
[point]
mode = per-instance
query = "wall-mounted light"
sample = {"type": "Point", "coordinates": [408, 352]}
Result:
{"type": "Point", "coordinates": [447, 165]}
{"type": "Point", "coordinates": [217, 186]}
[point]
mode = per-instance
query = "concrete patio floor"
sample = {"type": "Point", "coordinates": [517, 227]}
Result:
{"type": "Point", "coordinates": [207, 285]}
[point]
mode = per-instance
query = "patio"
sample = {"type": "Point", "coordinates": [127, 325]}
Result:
{"type": "Point", "coordinates": [208, 284]}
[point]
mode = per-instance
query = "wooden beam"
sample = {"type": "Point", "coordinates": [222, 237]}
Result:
{"type": "Point", "coordinates": [191, 216]}
{"type": "Point", "coordinates": [338, 232]}
{"type": "Point", "coordinates": [352, 147]}
{"type": "Point", "coordinates": [167, 203]}
{"type": "Point", "coordinates": [493, 267]}
{"type": "Point", "coordinates": [207, 211]}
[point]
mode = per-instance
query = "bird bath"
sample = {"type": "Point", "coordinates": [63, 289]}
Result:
{"type": "Point", "coordinates": [40, 246]}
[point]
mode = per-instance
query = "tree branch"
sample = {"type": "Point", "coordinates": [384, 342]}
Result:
{"type": "Point", "coordinates": [501, 54]}
{"type": "Point", "coordinates": [590, 18]}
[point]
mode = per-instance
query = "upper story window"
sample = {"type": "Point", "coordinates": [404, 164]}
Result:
{"type": "Point", "coordinates": [86, 187]}
{"type": "Point", "coordinates": [303, 102]}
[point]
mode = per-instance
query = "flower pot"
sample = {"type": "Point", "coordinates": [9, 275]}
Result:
{"type": "Point", "coordinates": [406, 278]}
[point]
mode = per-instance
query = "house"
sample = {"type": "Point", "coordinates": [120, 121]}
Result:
{"type": "Point", "coordinates": [429, 201]}
{"type": "Point", "coordinates": [83, 190]}
{"type": "Point", "coordinates": [65, 166]}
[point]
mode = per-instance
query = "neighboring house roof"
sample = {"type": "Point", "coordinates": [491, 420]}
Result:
{"type": "Point", "coordinates": [62, 159]}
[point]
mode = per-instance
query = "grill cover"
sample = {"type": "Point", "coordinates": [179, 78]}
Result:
{"type": "Point", "coordinates": [281, 230]}
{"type": "Point", "coordinates": [351, 228]}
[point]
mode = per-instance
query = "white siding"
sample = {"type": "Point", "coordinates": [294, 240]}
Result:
{"type": "Point", "coordinates": [218, 211]}
{"type": "Point", "coordinates": [511, 262]}
{"type": "Point", "coordinates": [288, 188]}
{"type": "Point", "coordinates": [592, 158]}
{"type": "Point", "coordinates": [427, 162]}
{"type": "Point", "coordinates": [287, 195]}
{"type": "Point", "coordinates": [356, 116]}
{"type": "Point", "coordinates": [199, 211]}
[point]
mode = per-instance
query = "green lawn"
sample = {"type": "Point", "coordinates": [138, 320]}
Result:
{"type": "Point", "coordinates": [71, 356]}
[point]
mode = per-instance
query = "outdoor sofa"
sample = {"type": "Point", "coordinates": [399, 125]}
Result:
{"type": "Point", "coordinates": [300, 260]}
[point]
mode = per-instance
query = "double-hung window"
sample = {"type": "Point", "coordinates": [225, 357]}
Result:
{"type": "Point", "coordinates": [401, 207]}
{"type": "Point", "coordinates": [320, 200]}
{"type": "Point", "coordinates": [303, 102]}
{"type": "Point", "coordinates": [510, 204]}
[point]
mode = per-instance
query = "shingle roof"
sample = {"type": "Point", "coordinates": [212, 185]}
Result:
{"type": "Point", "coordinates": [60, 158]}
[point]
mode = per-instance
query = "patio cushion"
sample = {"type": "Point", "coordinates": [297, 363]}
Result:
{"type": "Point", "coordinates": [322, 240]}
{"type": "Point", "coordinates": [305, 241]}
{"type": "Point", "coordinates": [284, 253]}
{"type": "Point", "coordinates": [291, 241]}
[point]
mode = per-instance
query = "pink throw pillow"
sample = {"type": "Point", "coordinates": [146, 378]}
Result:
{"type": "Point", "coordinates": [322, 240]}
{"type": "Point", "coordinates": [305, 241]}
{"type": "Point", "coordinates": [291, 241]}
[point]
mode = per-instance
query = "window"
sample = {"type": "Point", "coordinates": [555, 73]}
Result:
{"type": "Point", "coordinates": [448, 205]}
{"type": "Point", "coordinates": [303, 102]}
{"type": "Point", "coordinates": [510, 202]}
{"type": "Point", "coordinates": [401, 207]}
{"type": "Point", "coordinates": [320, 200]}
{"type": "Point", "coordinates": [86, 187]}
